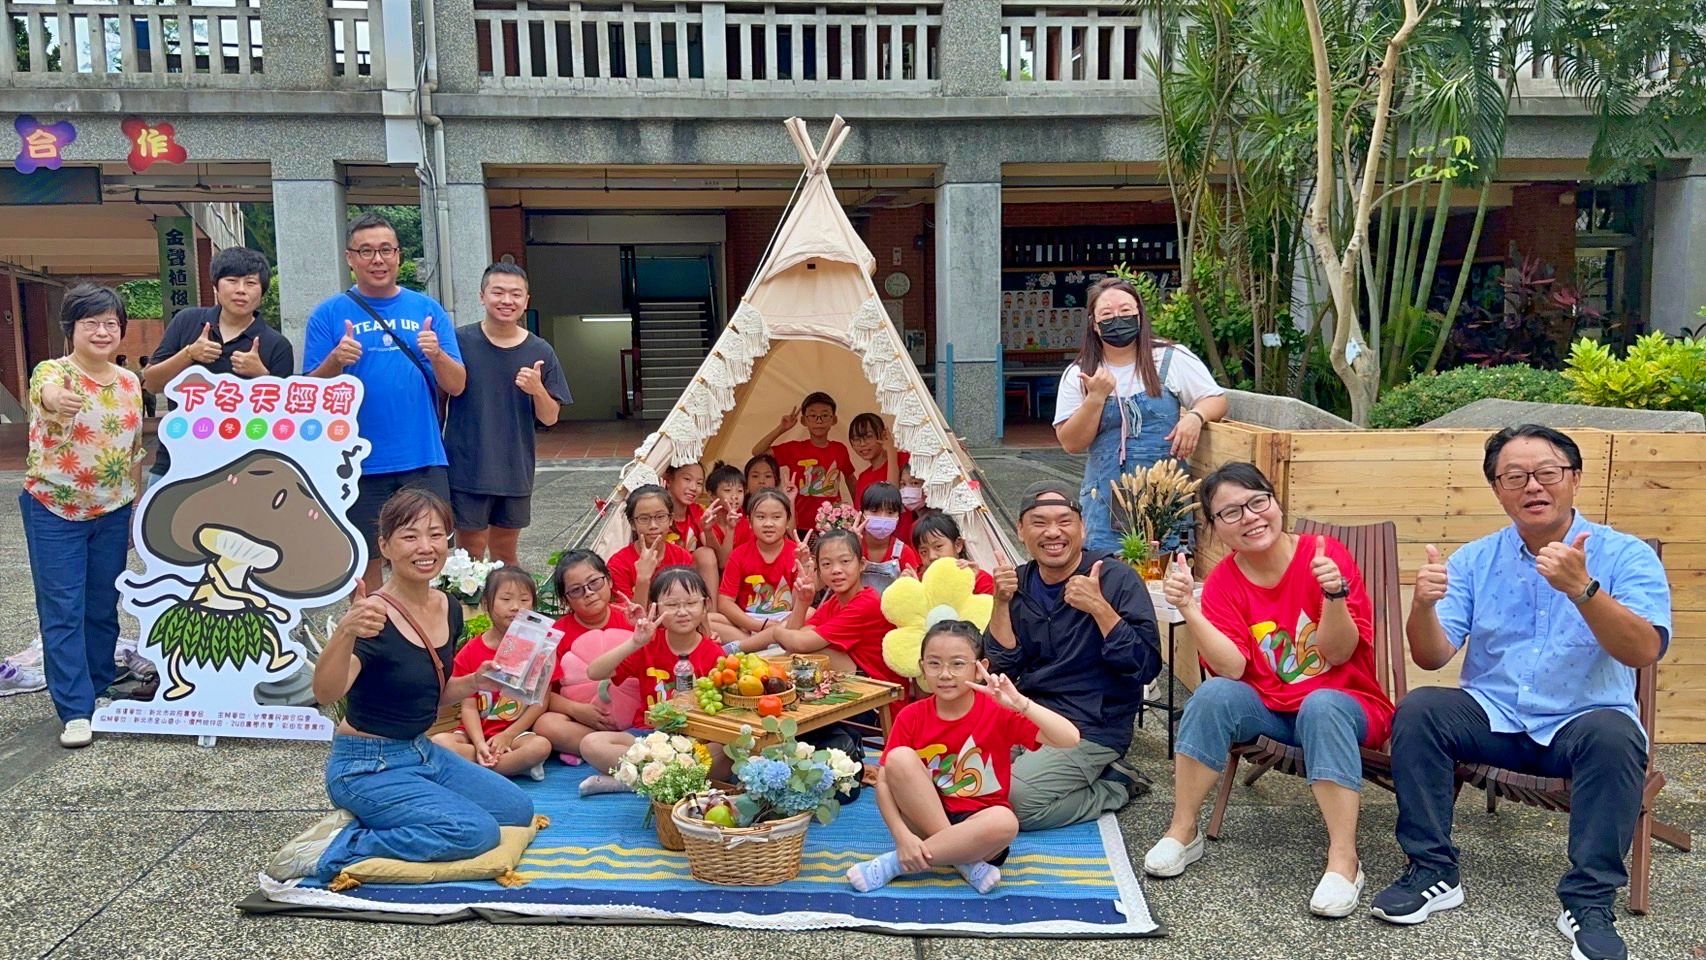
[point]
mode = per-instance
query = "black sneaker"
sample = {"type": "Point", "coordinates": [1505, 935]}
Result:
{"type": "Point", "coordinates": [1593, 933]}
{"type": "Point", "coordinates": [1129, 777]}
{"type": "Point", "coordinates": [1417, 894]}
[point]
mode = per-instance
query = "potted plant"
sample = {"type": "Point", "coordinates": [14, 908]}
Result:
{"type": "Point", "coordinates": [785, 785]}
{"type": "Point", "coordinates": [665, 769]}
{"type": "Point", "coordinates": [1154, 506]}
{"type": "Point", "coordinates": [1134, 550]}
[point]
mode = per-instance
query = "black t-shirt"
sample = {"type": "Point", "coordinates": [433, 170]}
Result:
{"type": "Point", "coordinates": [185, 329]}
{"type": "Point", "coordinates": [488, 436]}
{"type": "Point", "coordinates": [396, 693]}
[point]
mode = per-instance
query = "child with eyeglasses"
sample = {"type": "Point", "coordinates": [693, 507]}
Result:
{"type": "Point", "coordinates": [947, 767]}
{"type": "Point", "coordinates": [582, 582]}
{"type": "Point", "coordinates": [820, 467]}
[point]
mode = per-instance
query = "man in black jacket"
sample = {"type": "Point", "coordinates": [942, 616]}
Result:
{"type": "Point", "coordinates": [1077, 634]}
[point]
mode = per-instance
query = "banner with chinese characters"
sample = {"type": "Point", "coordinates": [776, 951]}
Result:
{"type": "Point", "coordinates": [180, 284]}
{"type": "Point", "coordinates": [245, 531]}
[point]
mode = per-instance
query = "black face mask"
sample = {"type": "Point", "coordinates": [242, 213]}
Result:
{"type": "Point", "coordinates": [1118, 331]}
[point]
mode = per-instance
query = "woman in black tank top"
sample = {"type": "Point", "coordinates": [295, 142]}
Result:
{"type": "Point", "coordinates": [390, 656]}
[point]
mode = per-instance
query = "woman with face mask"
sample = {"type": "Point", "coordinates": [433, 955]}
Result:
{"type": "Point", "coordinates": [1125, 414]}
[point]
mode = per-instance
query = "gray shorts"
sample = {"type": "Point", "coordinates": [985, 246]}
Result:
{"type": "Point", "coordinates": [477, 511]}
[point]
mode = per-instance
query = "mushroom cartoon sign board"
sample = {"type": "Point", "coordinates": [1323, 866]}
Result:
{"type": "Point", "coordinates": [245, 531]}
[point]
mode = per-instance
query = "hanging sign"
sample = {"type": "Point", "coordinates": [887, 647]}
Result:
{"type": "Point", "coordinates": [245, 531]}
{"type": "Point", "coordinates": [44, 144]}
{"type": "Point", "coordinates": [180, 284]}
{"type": "Point", "coordinates": [151, 143]}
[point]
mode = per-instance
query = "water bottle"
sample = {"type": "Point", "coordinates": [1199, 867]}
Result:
{"type": "Point", "coordinates": [683, 675]}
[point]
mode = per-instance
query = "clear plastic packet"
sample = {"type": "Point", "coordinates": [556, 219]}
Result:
{"type": "Point", "coordinates": [524, 660]}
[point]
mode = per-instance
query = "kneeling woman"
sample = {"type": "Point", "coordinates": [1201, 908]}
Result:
{"type": "Point", "coordinates": [391, 656]}
{"type": "Point", "coordinates": [1287, 628]}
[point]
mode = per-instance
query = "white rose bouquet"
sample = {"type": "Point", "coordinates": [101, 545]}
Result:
{"type": "Point", "coordinates": [464, 577]}
{"type": "Point", "coordinates": [664, 768]}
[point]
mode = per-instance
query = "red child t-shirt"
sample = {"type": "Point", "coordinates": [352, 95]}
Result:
{"type": "Point", "coordinates": [760, 587]}
{"type": "Point", "coordinates": [875, 473]}
{"type": "Point", "coordinates": [982, 582]}
{"type": "Point", "coordinates": [1274, 627]}
{"type": "Point", "coordinates": [622, 567]}
{"type": "Point", "coordinates": [497, 710]}
{"type": "Point", "coordinates": [970, 759]}
{"type": "Point", "coordinates": [856, 628]}
{"type": "Point", "coordinates": [646, 663]}
{"type": "Point", "coordinates": [684, 533]}
{"type": "Point", "coordinates": [817, 472]}
{"type": "Point", "coordinates": [743, 531]}
{"type": "Point", "coordinates": [573, 628]}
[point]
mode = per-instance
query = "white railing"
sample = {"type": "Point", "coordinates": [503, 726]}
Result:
{"type": "Point", "coordinates": [358, 38]}
{"type": "Point", "coordinates": [209, 40]}
{"type": "Point", "coordinates": [826, 47]}
{"type": "Point", "coordinates": [1087, 45]}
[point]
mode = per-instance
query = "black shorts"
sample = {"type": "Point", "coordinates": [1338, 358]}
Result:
{"type": "Point", "coordinates": [376, 488]}
{"type": "Point", "coordinates": [961, 817]}
{"type": "Point", "coordinates": [477, 511]}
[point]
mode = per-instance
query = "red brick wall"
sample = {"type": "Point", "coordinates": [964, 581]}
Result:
{"type": "Point", "coordinates": [11, 338]}
{"type": "Point", "coordinates": [203, 265]}
{"type": "Point", "coordinates": [509, 234]}
{"type": "Point", "coordinates": [141, 337]}
{"type": "Point", "coordinates": [746, 231]}
{"type": "Point", "coordinates": [1542, 226]}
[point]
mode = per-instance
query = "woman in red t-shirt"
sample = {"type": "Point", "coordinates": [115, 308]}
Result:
{"type": "Point", "coordinates": [582, 582]}
{"type": "Point", "coordinates": [671, 627]}
{"type": "Point", "coordinates": [1287, 628]}
{"type": "Point", "coordinates": [848, 625]}
{"type": "Point", "coordinates": [948, 763]}
{"type": "Point", "coordinates": [757, 585]}
{"type": "Point", "coordinates": [936, 536]}
{"type": "Point", "coordinates": [632, 567]}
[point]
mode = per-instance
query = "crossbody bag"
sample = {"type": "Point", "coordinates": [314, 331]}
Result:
{"type": "Point", "coordinates": [439, 400]}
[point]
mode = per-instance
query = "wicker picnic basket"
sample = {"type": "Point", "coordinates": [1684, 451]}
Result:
{"type": "Point", "coordinates": [668, 837]}
{"type": "Point", "coordinates": [751, 703]}
{"type": "Point", "coordinates": [755, 856]}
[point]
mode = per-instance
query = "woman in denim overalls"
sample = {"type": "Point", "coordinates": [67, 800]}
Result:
{"type": "Point", "coordinates": [1122, 435]}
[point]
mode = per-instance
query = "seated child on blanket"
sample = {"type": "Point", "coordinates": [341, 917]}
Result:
{"type": "Point", "coordinates": [943, 785]}
{"type": "Point", "coordinates": [757, 587]}
{"type": "Point", "coordinates": [582, 584]}
{"type": "Point", "coordinates": [497, 730]}
{"type": "Point", "coordinates": [649, 512]}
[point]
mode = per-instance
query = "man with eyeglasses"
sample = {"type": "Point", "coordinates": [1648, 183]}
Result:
{"type": "Point", "coordinates": [1076, 631]}
{"type": "Point", "coordinates": [1558, 613]}
{"type": "Point", "coordinates": [388, 337]}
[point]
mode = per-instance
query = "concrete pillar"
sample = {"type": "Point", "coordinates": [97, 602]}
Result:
{"type": "Point", "coordinates": [298, 44]}
{"type": "Point", "coordinates": [458, 47]}
{"type": "Point", "coordinates": [968, 305]}
{"type": "Point", "coordinates": [470, 250]}
{"type": "Point", "coordinates": [970, 48]}
{"type": "Point", "coordinates": [1679, 247]}
{"type": "Point", "coordinates": [308, 217]}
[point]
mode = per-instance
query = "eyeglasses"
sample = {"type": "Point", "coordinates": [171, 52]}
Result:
{"type": "Point", "coordinates": [955, 667]}
{"type": "Point", "coordinates": [682, 606]}
{"type": "Point", "coordinates": [588, 588]}
{"type": "Point", "coordinates": [1257, 505]}
{"type": "Point", "coordinates": [87, 324]}
{"type": "Point", "coordinates": [1517, 479]}
{"type": "Point", "coordinates": [368, 253]}
{"type": "Point", "coordinates": [651, 518]}
{"type": "Point", "coordinates": [818, 417]}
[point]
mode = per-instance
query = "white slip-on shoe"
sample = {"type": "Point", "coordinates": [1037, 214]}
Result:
{"type": "Point", "coordinates": [77, 734]}
{"type": "Point", "coordinates": [1335, 896]}
{"type": "Point", "coordinates": [1169, 857]}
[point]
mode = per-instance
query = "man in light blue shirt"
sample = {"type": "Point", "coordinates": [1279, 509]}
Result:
{"type": "Point", "coordinates": [1558, 612]}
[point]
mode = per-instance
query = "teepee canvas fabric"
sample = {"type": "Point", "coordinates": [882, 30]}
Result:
{"type": "Point", "coordinates": [812, 320]}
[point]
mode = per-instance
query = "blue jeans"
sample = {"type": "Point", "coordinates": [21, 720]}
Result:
{"type": "Point", "coordinates": [75, 565]}
{"type": "Point", "coordinates": [415, 801]}
{"type": "Point", "coordinates": [1329, 728]}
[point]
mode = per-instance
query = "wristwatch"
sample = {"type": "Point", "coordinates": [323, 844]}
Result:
{"type": "Point", "coordinates": [1339, 594]}
{"type": "Point", "coordinates": [1587, 594]}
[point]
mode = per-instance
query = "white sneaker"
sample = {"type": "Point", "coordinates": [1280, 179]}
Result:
{"type": "Point", "coordinates": [1169, 857]}
{"type": "Point", "coordinates": [20, 679]}
{"type": "Point", "coordinates": [301, 856]}
{"type": "Point", "coordinates": [1335, 896]}
{"type": "Point", "coordinates": [77, 734]}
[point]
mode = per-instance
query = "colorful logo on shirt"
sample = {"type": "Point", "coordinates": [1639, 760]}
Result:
{"type": "Point", "coordinates": [768, 600]}
{"type": "Point", "coordinates": [1293, 660]}
{"type": "Point", "coordinates": [963, 774]}
{"type": "Point", "coordinates": [818, 479]}
{"type": "Point", "coordinates": [497, 707]}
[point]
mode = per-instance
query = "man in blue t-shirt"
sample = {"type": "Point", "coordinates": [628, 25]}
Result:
{"type": "Point", "coordinates": [388, 338]}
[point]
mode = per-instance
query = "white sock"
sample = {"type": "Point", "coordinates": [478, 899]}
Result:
{"type": "Point", "coordinates": [872, 874]}
{"type": "Point", "coordinates": [982, 876]}
{"type": "Point", "coordinates": [595, 785]}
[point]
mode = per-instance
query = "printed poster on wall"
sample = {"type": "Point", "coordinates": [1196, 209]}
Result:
{"type": "Point", "coordinates": [245, 531]}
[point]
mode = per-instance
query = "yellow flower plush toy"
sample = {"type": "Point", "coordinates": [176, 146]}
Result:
{"type": "Point", "coordinates": [913, 606]}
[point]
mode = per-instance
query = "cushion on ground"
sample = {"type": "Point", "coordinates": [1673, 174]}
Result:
{"type": "Point", "coordinates": [497, 864]}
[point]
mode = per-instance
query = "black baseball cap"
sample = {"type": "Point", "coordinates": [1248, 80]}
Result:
{"type": "Point", "coordinates": [1050, 493]}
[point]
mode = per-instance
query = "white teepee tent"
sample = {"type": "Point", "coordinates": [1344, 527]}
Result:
{"type": "Point", "coordinates": [812, 320]}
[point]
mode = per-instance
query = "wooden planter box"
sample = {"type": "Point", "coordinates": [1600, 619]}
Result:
{"type": "Point", "coordinates": [1429, 482]}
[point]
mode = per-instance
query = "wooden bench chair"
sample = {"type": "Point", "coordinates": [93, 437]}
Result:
{"type": "Point", "coordinates": [1374, 546]}
{"type": "Point", "coordinates": [1553, 793]}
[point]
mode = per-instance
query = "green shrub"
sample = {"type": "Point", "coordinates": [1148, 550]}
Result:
{"type": "Point", "coordinates": [1658, 373]}
{"type": "Point", "coordinates": [1432, 396]}
{"type": "Point", "coordinates": [141, 299]}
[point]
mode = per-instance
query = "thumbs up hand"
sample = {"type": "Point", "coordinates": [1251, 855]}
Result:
{"type": "Point", "coordinates": [1006, 577]}
{"type": "Point", "coordinates": [1179, 588]}
{"type": "Point", "coordinates": [1565, 566]}
{"type": "Point", "coordinates": [1431, 579]}
{"type": "Point", "coordinates": [531, 380]}
{"type": "Point", "coordinates": [428, 341]}
{"type": "Point", "coordinates": [248, 363]}
{"type": "Point", "coordinates": [1325, 570]}
{"type": "Point", "coordinates": [204, 349]}
{"type": "Point", "coordinates": [348, 350]}
{"type": "Point", "coordinates": [366, 615]}
{"type": "Point", "coordinates": [1084, 591]}
{"type": "Point", "coordinates": [63, 400]}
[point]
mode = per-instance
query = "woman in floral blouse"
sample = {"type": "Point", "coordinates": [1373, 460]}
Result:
{"type": "Point", "coordinates": [80, 478]}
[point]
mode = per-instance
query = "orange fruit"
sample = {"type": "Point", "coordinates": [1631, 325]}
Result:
{"type": "Point", "coordinates": [770, 706]}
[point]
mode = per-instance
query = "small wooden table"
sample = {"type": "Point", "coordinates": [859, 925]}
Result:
{"type": "Point", "coordinates": [725, 727]}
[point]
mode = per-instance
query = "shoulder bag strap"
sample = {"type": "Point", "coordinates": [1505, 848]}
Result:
{"type": "Point", "coordinates": [426, 638]}
{"type": "Point", "coordinates": [402, 345]}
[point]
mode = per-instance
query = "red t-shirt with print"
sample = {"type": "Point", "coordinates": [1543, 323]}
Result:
{"type": "Point", "coordinates": [656, 655]}
{"type": "Point", "coordinates": [875, 473]}
{"type": "Point", "coordinates": [970, 759]}
{"type": "Point", "coordinates": [573, 629]}
{"type": "Point", "coordinates": [497, 710]}
{"type": "Point", "coordinates": [1274, 627]}
{"type": "Point", "coordinates": [759, 586]}
{"type": "Point", "coordinates": [622, 562]}
{"type": "Point", "coordinates": [685, 532]}
{"type": "Point", "coordinates": [856, 628]}
{"type": "Point", "coordinates": [818, 472]}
